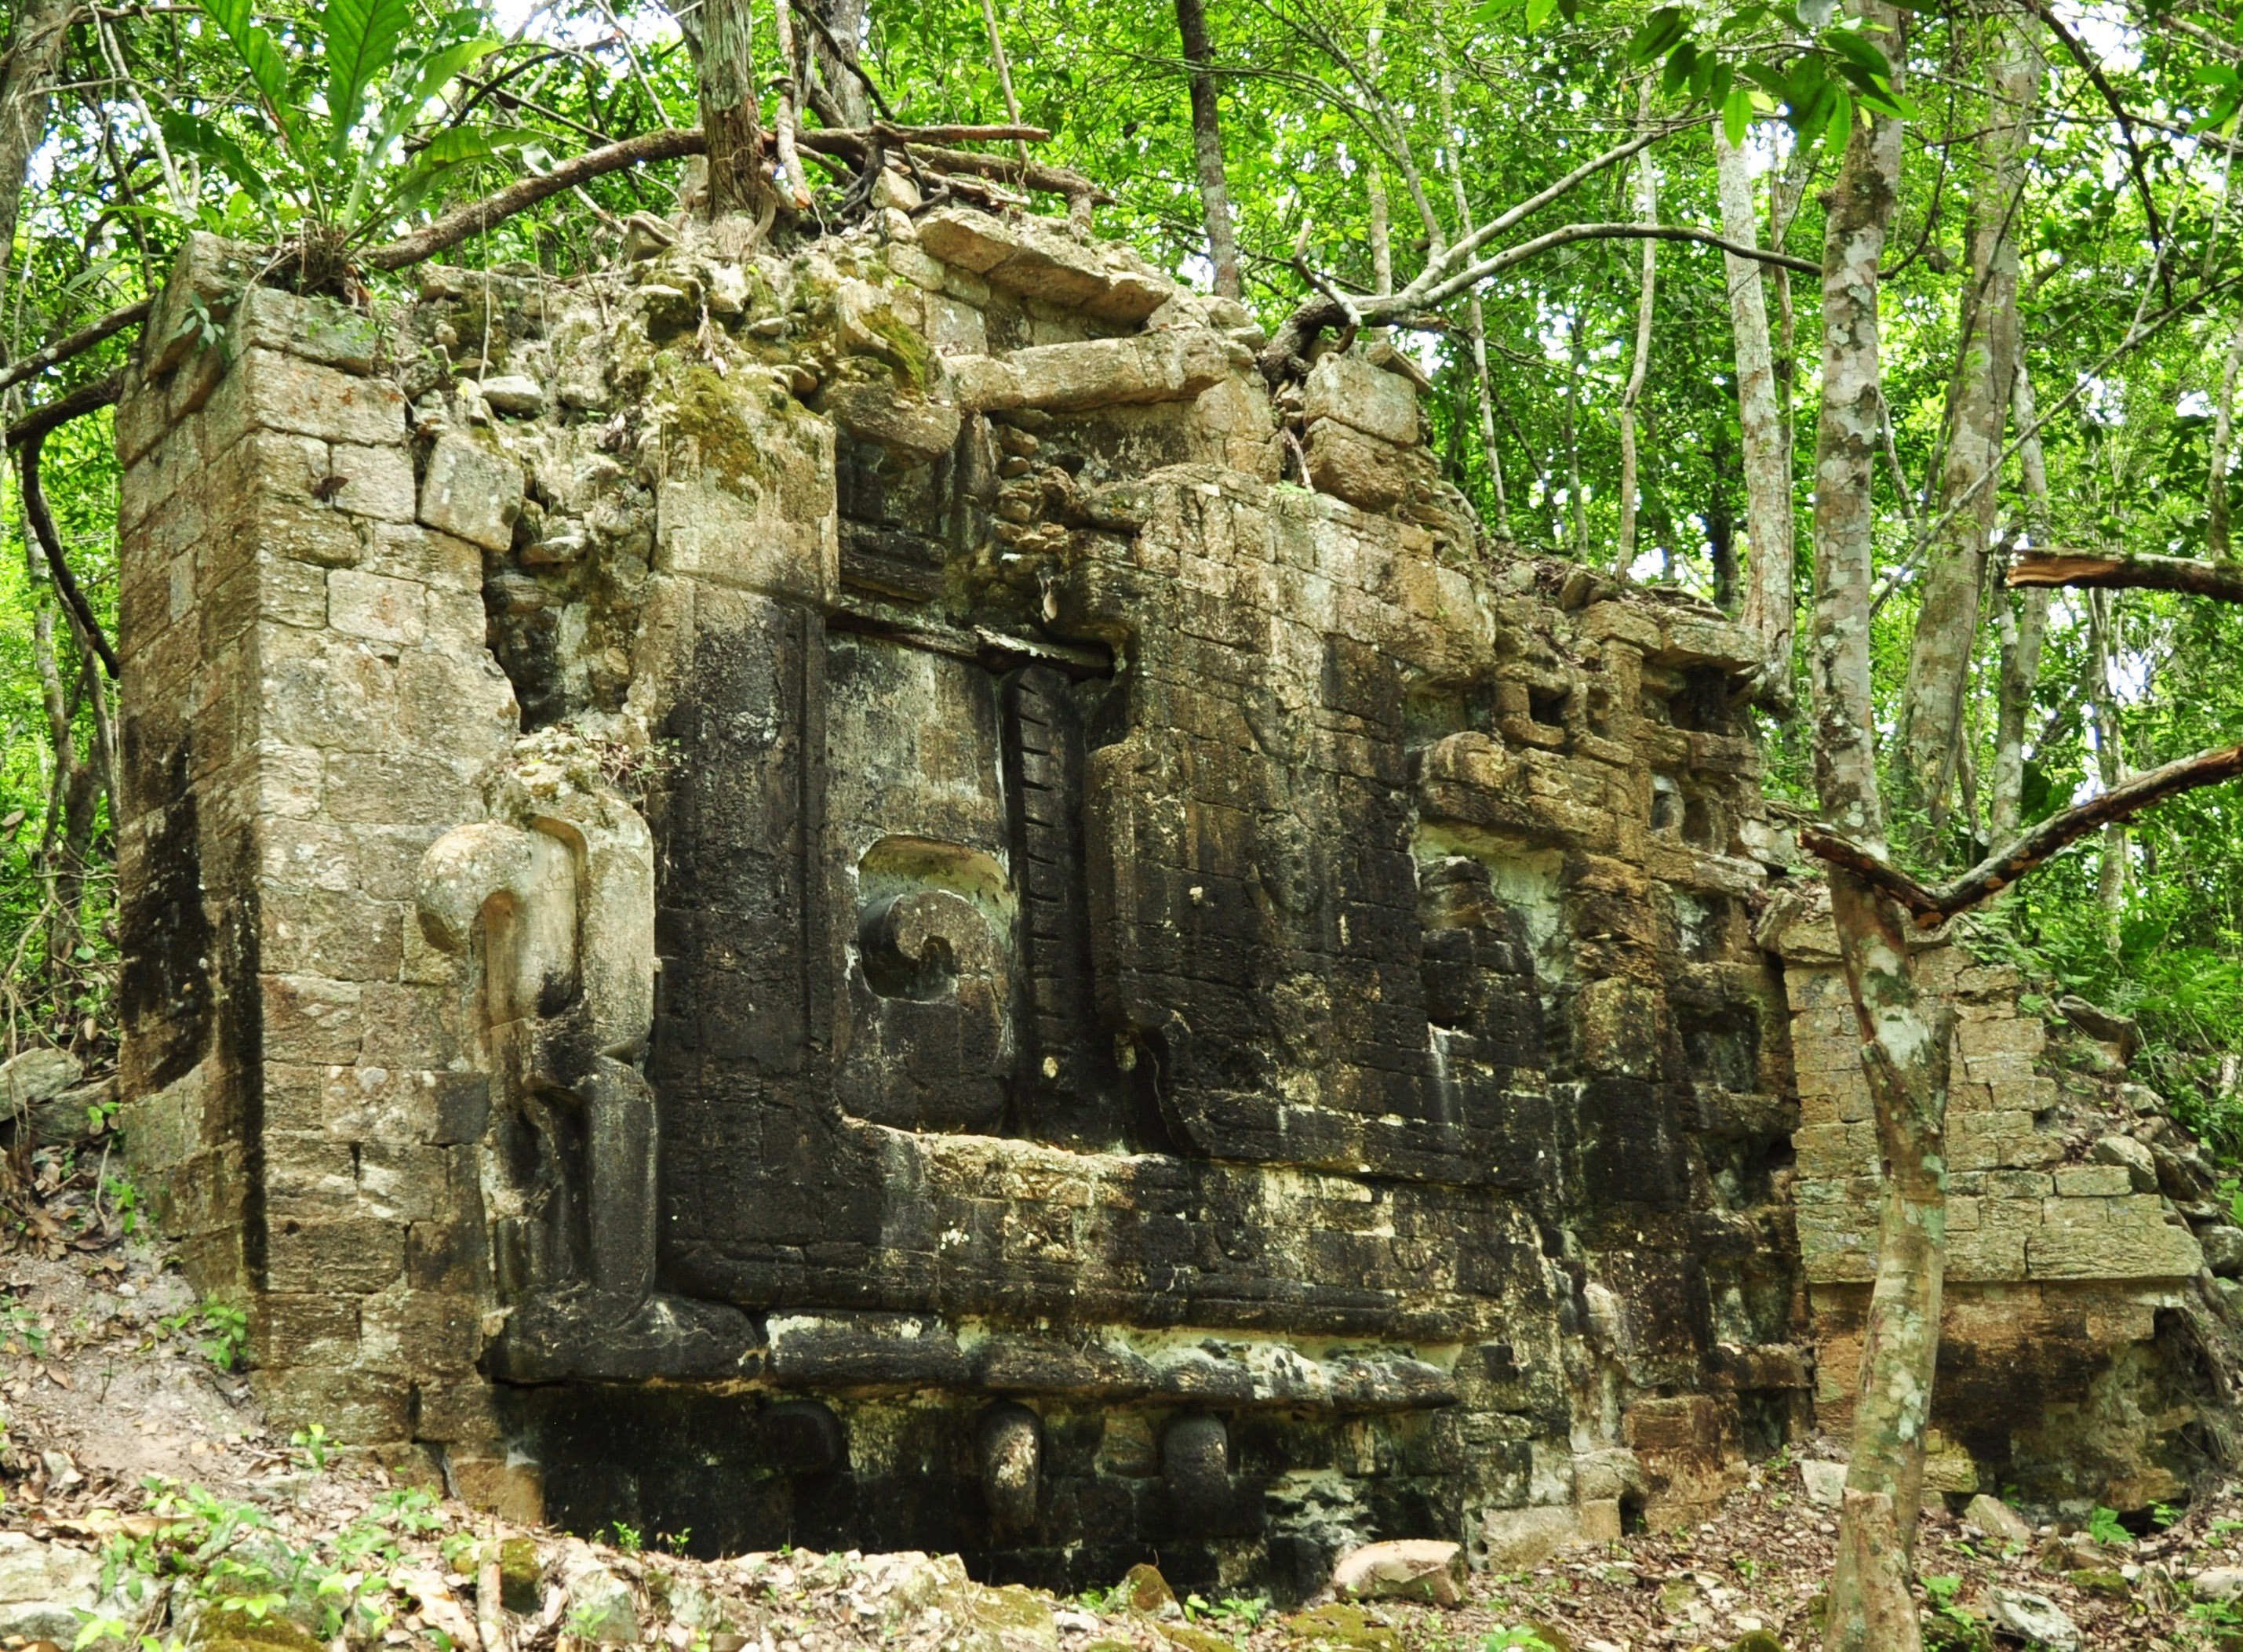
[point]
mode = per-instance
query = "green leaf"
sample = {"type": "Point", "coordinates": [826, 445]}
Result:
{"type": "Point", "coordinates": [1660, 33]}
{"type": "Point", "coordinates": [1848, 45]}
{"type": "Point", "coordinates": [361, 40]}
{"type": "Point", "coordinates": [260, 54]}
{"type": "Point", "coordinates": [1737, 115]}
{"type": "Point", "coordinates": [1680, 62]}
{"type": "Point", "coordinates": [1841, 121]}
{"type": "Point", "coordinates": [208, 141]}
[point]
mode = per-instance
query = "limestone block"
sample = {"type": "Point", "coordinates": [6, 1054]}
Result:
{"type": "Point", "coordinates": [354, 1255]}
{"type": "Point", "coordinates": [1825, 1482]}
{"type": "Point", "coordinates": [265, 390]}
{"type": "Point", "coordinates": [374, 482]}
{"type": "Point", "coordinates": [46, 1588]}
{"type": "Point", "coordinates": [1994, 1518]}
{"type": "Point", "coordinates": [955, 329]}
{"type": "Point", "coordinates": [1360, 469]}
{"type": "Point", "coordinates": [355, 1406]}
{"type": "Point", "coordinates": [2130, 1249]}
{"type": "Point", "coordinates": [2092, 1180]}
{"type": "Point", "coordinates": [1367, 398]}
{"type": "Point", "coordinates": [208, 275]}
{"type": "Point", "coordinates": [2139, 1164]}
{"type": "Point", "coordinates": [915, 430]}
{"type": "Point", "coordinates": [911, 263]}
{"type": "Point", "coordinates": [1103, 373]}
{"type": "Point", "coordinates": [317, 329]}
{"type": "Point", "coordinates": [35, 1076]}
{"type": "Point", "coordinates": [1404, 1569]}
{"type": "Point", "coordinates": [1041, 262]}
{"type": "Point", "coordinates": [515, 394]}
{"type": "Point", "coordinates": [311, 1019]}
{"type": "Point", "coordinates": [472, 492]}
{"type": "Point", "coordinates": [2223, 1250]}
{"type": "Point", "coordinates": [1618, 1027]}
{"type": "Point", "coordinates": [1512, 1539]}
{"type": "Point", "coordinates": [375, 607]}
{"type": "Point", "coordinates": [1985, 1254]}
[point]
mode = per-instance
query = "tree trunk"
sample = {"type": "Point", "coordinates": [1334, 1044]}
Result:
{"type": "Point", "coordinates": [729, 120]}
{"type": "Point", "coordinates": [1646, 208]}
{"type": "Point", "coordinates": [1207, 149]}
{"type": "Point", "coordinates": [2223, 442]}
{"type": "Point", "coordinates": [1374, 182]}
{"type": "Point", "coordinates": [1947, 626]}
{"type": "Point", "coordinates": [34, 55]}
{"type": "Point", "coordinates": [1770, 604]}
{"type": "Point", "coordinates": [2109, 759]}
{"type": "Point", "coordinates": [1904, 1055]}
{"type": "Point", "coordinates": [2024, 625]}
{"type": "Point", "coordinates": [1475, 317]}
{"type": "Point", "coordinates": [850, 103]}
{"type": "Point", "coordinates": [1577, 359]}
{"type": "Point", "coordinates": [1722, 520]}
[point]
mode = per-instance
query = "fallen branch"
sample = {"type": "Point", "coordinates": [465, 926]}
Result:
{"type": "Point", "coordinates": [855, 144]}
{"type": "Point", "coordinates": [1931, 906]}
{"type": "Point", "coordinates": [76, 344]}
{"type": "Point", "coordinates": [43, 529]}
{"type": "Point", "coordinates": [2223, 581]}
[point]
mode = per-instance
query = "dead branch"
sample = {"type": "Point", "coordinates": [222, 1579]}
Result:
{"type": "Point", "coordinates": [2223, 581]}
{"type": "Point", "coordinates": [43, 529]}
{"type": "Point", "coordinates": [1931, 906]}
{"type": "Point", "coordinates": [76, 344]}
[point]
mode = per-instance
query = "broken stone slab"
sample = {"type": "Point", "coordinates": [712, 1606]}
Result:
{"type": "Point", "coordinates": [1024, 257]}
{"type": "Point", "coordinates": [601, 1608]}
{"type": "Point", "coordinates": [915, 431]}
{"type": "Point", "coordinates": [2135, 1157]}
{"type": "Point", "coordinates": [2101, 1024]}
{"type": "Point", "coordinates": [1144, 1593]}
{"type": "Point", "coordinates": [1103, 373]}
{"type": "Point", "coordinates": [46, 1588]}
{"type": "Point", "coordinates": [1994, 1518]}
{"type": "Point", "coordinates": [36, 1075]}
{"type": "Point", "coordinates": [901, 1349]}
{"type": "Point", "coordinates": [515, 394]}
{"type": "Point", "coordinates": [2218, 1583]}
{"type": "Point", "coordinates": [471, 492]}
{"type": "Point", "coordinates": [2127, 1247]}
{"type": "Point", "coordinates": [1825, 1481]}
{"type": "Point", "coordinates": [1367, 398]}
{"type": "Point", "coordinates": [1513, 1539]}
{"type": "Point", "coordinates": [1405, 1569]}
{"type": "Point", "coordinates": [2033, 1618]}
{"type": "Point", "coordinates": [209, 275]}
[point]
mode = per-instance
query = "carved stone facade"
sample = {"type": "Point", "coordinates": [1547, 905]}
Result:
{"type": "Point", "coordinates": [815, 899]}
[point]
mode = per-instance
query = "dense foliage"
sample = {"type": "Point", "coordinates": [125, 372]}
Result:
{"type": "Point", "coordinates": [341, 123]}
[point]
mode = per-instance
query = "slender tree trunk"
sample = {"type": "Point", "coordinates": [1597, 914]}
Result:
{"type": "Point", "coordinates": [2025, 624]}
{"type": "Point", "coordinates": [1578, 356]}
{"type": "Point", "coordinates": [74, 803]}
{"type": "Point", "coordinates": [1374, 182]}
{"type": "Point", "coordinates": [789, 81]}
{"type": "Point", "coordinates": [848, 103]}
{"type": "Point", "coordinates": [1647, 212]}
{"type": "Point", "coordinates": [1207, 148]}
{"type": "Point", "coordinates": [1904, 1054]}
{"type": "Point", "coordinates": [1004, 78]}
{"type": "Point", "coordinates": [1770, 604]}
{"type": "Point", "coordinates": [727, 89]}
{"type": "Point", "coordinates": [2110, 757]}
{"type": "Point", "coordinates": [1475, 317]}
{"type": "Point", "coordinates": [1722, 520]}
{"type": "Point", "coordinates": [1954, 573]}
{"type": "Point", "coordinates": [2223, 443]}
{"type": "Point", "coordinates": [28, 75]}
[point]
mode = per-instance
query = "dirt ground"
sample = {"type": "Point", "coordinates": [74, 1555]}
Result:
{"type": "Point", "coordinates": [120, 1394]}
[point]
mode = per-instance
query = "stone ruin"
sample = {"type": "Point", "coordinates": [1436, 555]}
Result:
{"type": "Point", "coordinates": [861, 899]}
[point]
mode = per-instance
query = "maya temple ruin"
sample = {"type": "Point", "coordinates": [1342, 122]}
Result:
{"type": "Point", "coordinates": [862, 897]}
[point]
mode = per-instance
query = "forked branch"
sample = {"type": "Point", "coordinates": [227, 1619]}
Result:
{"type": "Point", "coordinates": [1933, 905]}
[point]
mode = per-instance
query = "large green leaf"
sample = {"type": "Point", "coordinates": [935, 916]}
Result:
{"type": "Point", "coordinates": [261, 55]}
{"type": "Point", "coordinates": [361, 38]}
{"type": "Point", "coordinates": [206, 140]}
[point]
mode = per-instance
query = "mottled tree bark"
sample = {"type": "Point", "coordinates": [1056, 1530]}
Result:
{"type": "Point", "coordinates": [1947, 624]}
{"type": "Point", "coordinates": [1207, 149]}
{"type": "Point", "coordinates": [2024, 626]}
{"type": "Point", "coordinates": [1374, 185]}
{"type": "Point", "coordinates": [1475, 317]}
{"type": "Point", "coordinates": [1904, 1054]}
{"type": "Point", "coordinates": [1647, 212]}
{"type": "Point", "coordinates": [1770, 602]}
{"type": "Point", "coordinates": [847, 102]}
{"type": "Point", "coordinates": [729, 120]}
{"type": "Point", "coordinates": [2109, 759]}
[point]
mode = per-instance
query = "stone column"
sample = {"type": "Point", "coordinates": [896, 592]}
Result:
{"type": "Point", "coordinates": [307, 703]}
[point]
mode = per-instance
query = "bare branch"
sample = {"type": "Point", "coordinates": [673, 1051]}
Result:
{"type": "Point", "coordinates": [2093, 69]}
{"type": "Point", "coordinates": [1932, 905]}
{"type": "Point", "coordinates": [2222, 581]}
{"type": "Point", "coordinates": [76, 344]}
{"type": "Point", "coordinates": [88, 398]}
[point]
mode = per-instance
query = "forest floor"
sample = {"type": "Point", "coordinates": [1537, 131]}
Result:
{"type": "Point", "coordinates": [129, 1439]}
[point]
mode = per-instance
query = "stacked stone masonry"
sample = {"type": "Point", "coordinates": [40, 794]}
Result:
{"type": "Point", "coordinates": [861, 899]}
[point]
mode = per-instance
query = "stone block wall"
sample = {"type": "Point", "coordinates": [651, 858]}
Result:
{"type": "Point", "coordinates": [2077, 1293]}
{"type": "Point", "coordinates": [864, 897]}
{"type": "Point", "coordinates": [306, 704]}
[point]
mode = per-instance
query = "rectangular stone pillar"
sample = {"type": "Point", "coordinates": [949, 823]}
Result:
{"type": "Point", "coordinates": [307, 703]}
